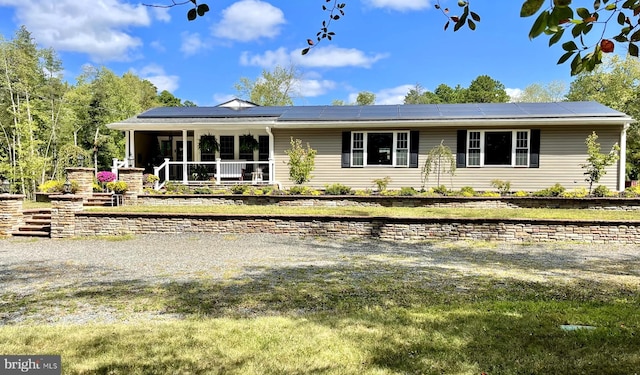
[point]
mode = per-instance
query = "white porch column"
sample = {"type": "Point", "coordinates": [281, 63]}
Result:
{"type": "Point", "coordinates": [185, 174]}
{"type": "Point", "coordinates": [622, 165]}
{"type": "Point", "coordinates": [132, 148]}
{"type": "Point", "coordinates": [272, 164]}
{"type": "Point", "coordinates": [127, 147]}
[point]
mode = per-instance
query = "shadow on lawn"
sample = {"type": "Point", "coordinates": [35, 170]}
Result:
{"type": "Point", "coordinates": [408, 316]}
{"type": "Point", "coordinates": [409, 319]}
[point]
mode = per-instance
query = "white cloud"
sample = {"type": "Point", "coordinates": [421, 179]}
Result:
{"type": "Point", "coordinates": [394, 95]}
{"type": "Point", "coordinates": [158, 46]}
{"type": "Point", "coordinates": [399, 5]}
{"type": "Point", "coordinates": [314, 87]}
{"type": "Point", "coordinates": [192, 43]}
{"type": "Point", "coordinates": [97, 28]}
{"type": "Point", "coordinates": [162, 14]}
{"type": "Point", "coordinates": [514, 94]}
{"type": "Point", "coordinates": [156, 75]}
{"type": "Point", "coordinates": [248, 20]}
{"type": "Point", "coordinates": [219, 98]}
{"type": "Point", "coordinates": [319, 57]}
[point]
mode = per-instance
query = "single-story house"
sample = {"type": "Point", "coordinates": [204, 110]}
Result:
{"type": "Point", "coordinates": [531, 145]}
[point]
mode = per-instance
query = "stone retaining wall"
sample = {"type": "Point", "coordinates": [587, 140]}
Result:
{"type": "Point", "coordinates": [623, 204]}
{"type": "Point", "coordinates": [396, 229]}
{"type": "Point", "coordinates": [10, 213]}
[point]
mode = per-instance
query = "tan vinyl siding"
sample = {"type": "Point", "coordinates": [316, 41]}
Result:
{"type": "Point", "coordinates": [562, 150]}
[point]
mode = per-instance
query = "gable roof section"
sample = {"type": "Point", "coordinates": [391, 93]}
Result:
{"type": "Point", "coordinates": [432, 114]}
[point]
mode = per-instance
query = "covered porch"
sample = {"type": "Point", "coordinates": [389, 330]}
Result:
{"type": "Point", "coordinates": [197, 156]}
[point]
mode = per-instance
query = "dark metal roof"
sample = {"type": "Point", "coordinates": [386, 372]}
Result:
{"type": "Point", "coordinates": [392, 112]}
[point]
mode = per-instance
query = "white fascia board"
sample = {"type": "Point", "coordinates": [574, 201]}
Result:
{"type": "Point", "coordinates": [190, 126]}
{"type": "Point", "coordinates": [570, 121]}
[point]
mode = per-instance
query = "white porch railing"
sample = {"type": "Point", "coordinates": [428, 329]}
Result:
{"type": "Point", "coordinates": [219, 172]}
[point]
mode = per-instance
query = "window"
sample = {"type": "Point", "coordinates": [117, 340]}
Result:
{"type": "Point", "coordinates": [379, 148]}
{"type": "Point", "coordinates": [226, 147]}
{"type": "Point", "coordinates": [497, 148]}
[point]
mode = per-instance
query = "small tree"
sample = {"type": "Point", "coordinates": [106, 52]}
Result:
{"type": "Point", "coordinates": [440, 160]}
{"type": "Point", "coordinates": [597, 162]}
{"type": "Point", "coordinates": [301, 162]}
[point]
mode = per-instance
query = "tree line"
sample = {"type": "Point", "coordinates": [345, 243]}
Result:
{"type": "Point", "coordinates": [46, 124]}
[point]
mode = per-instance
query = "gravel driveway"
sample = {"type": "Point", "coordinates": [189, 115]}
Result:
{"type": "Point", "coordinates": [29, 267]}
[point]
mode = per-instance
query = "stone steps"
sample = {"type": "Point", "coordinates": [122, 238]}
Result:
{"type": "Point", "coordinates": [37, 223]}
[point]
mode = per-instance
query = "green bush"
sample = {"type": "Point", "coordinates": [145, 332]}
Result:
{"type": "Point", "coordinates": [467, 191]}
{"type": "Point", "coordinates": [118, 187]}
{"type": "Point", "coordinates": [632, 191]}
{"type": "Point", "coordinates": [239, 189]}
{"type": "Point", "coordinates": [503, 187]}
{"type": "Point", "coordinates": [57, 186]}
{"type": "Point", "coordinates": [382, 183]}
{"type": "Point", "coordinates": [407, 191]}
{"type": "Point", "coordinates": [520, 194]}
{"type": "Point", "coordinates": [442, 190]}
{"type": "Point", "coordinates": [337, 189]}
{"type": "Point", "coordinates": [578, 193]}
{"type": "Point", "coordinates": [176, 188]}
{"type": "Point", "coordinates": [490, 194]}
{"type": "Point", "coordinates": [553, 191]}
{"type": "Point", "coordinates": [96, 188]}
{"type": "Point", "coordinates": [602, 191]}
{"type": "Point", "coordinates": [202, 190]}
{"type": "Point", "coordinates": [302, 190]}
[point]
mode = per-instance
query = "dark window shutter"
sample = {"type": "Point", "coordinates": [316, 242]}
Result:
{"type": "Point", "coordinates": [414, 137]}
{"type": "Point", "coordinates": [461, 150]}
{"type": "Point", "coordinates": [534, 152]}
{"type": "Point", "coordinates": [346, 149]}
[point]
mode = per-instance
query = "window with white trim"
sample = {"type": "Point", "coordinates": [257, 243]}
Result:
{"type": "Point", "coordinates": [380, 148]}
{"type": "Point", "coordinates": [498, 148]}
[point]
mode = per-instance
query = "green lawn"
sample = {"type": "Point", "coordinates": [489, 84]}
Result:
{"type": "Point", "coordinates": [375, 316]}
{"type": "Point", "coordinates": [528, 213]}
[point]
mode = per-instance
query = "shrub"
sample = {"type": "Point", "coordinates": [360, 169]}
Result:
{"type": "Point", "coordinates": [520, 194]}
{"type": "Point", "coordinates": [578, 193]}
{"type": "Point", "coordinates": [553, 191]}
{"type": "Point", "coordinates": [407, 191]}
{"type": "Point", "coordinates": [202, 190]}
{"type": "Point", "coordinates": [301, 162]}
{"type": "Point", "coordinates": [632, 191]}
{"type": "Point", "coordinates": [148, 180]}
{"type": "Point", "coordinates": [390, 193]}
{"type": "Point", "coordinates": [467, 191]}
{"type": "Point", "coordinates": [490, 194]}
{"type": "Point", "coordinates": [441, 189]}
{"type": "Point", "coordinates": [602, 191]}
{"type": "Point", "coordinates": [337, 189]}
{"type": "Point", "coordinates": [302, 190]}
{"type": "Point", "coordinates": [503, 187]}
{"type": "Point", "coordinates": [97, 188]}
{"type": "Point", "coordinates": [118, 187]}
{"type": "Point", "coordinates": [176, 188]}
{"type": "Point", "coordinates": [239, 189]}
{"type": "Point", "coordinates": [382, 183]}
{"type": "Point", "coordinates": [51, 186]}
{"type": "Point", "coordinates": [57, 186]}
{"type": "Point", "coordinates": [105, 176]}
{"type": "Point", "coordinates": [362, 193]}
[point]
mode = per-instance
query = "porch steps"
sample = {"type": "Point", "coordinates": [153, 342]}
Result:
{"type": "Point", "coordinates": [37, 223]}
{"type": "Point", "coordinates": [100, 199]}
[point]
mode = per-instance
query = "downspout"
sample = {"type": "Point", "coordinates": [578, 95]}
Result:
{"type": "Point", "coordinates": [622, 166]}
{"type": "Point", "coordinates": [272, 163]}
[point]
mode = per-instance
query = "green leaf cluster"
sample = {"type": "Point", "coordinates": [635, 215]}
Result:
{"type": "Point", "coordinates": [301, 161]}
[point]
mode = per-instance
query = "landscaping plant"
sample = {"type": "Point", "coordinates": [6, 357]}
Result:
{"type": "Point", "coordinates": [597, 162]}
{"type": "Point", "coordinates": [301, 161]}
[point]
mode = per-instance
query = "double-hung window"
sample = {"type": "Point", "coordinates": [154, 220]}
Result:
{"type": "Point", "coordinates": [380, 148]}
{"type": "Point", "coordinates": [486, 148]}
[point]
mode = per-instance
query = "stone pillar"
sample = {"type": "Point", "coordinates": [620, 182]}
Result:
{"type": "Point", "coordinates": [10, 213]}
{"type": "Point", "coordinates": [84, 178]}
{"type": "Point", "coordinates": [63, 214]}
{"type": "Point", "coordinates": [133, 178]}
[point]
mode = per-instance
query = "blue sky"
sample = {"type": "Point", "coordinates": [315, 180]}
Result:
{"type": "Point", "coordinates": [381, 46]}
